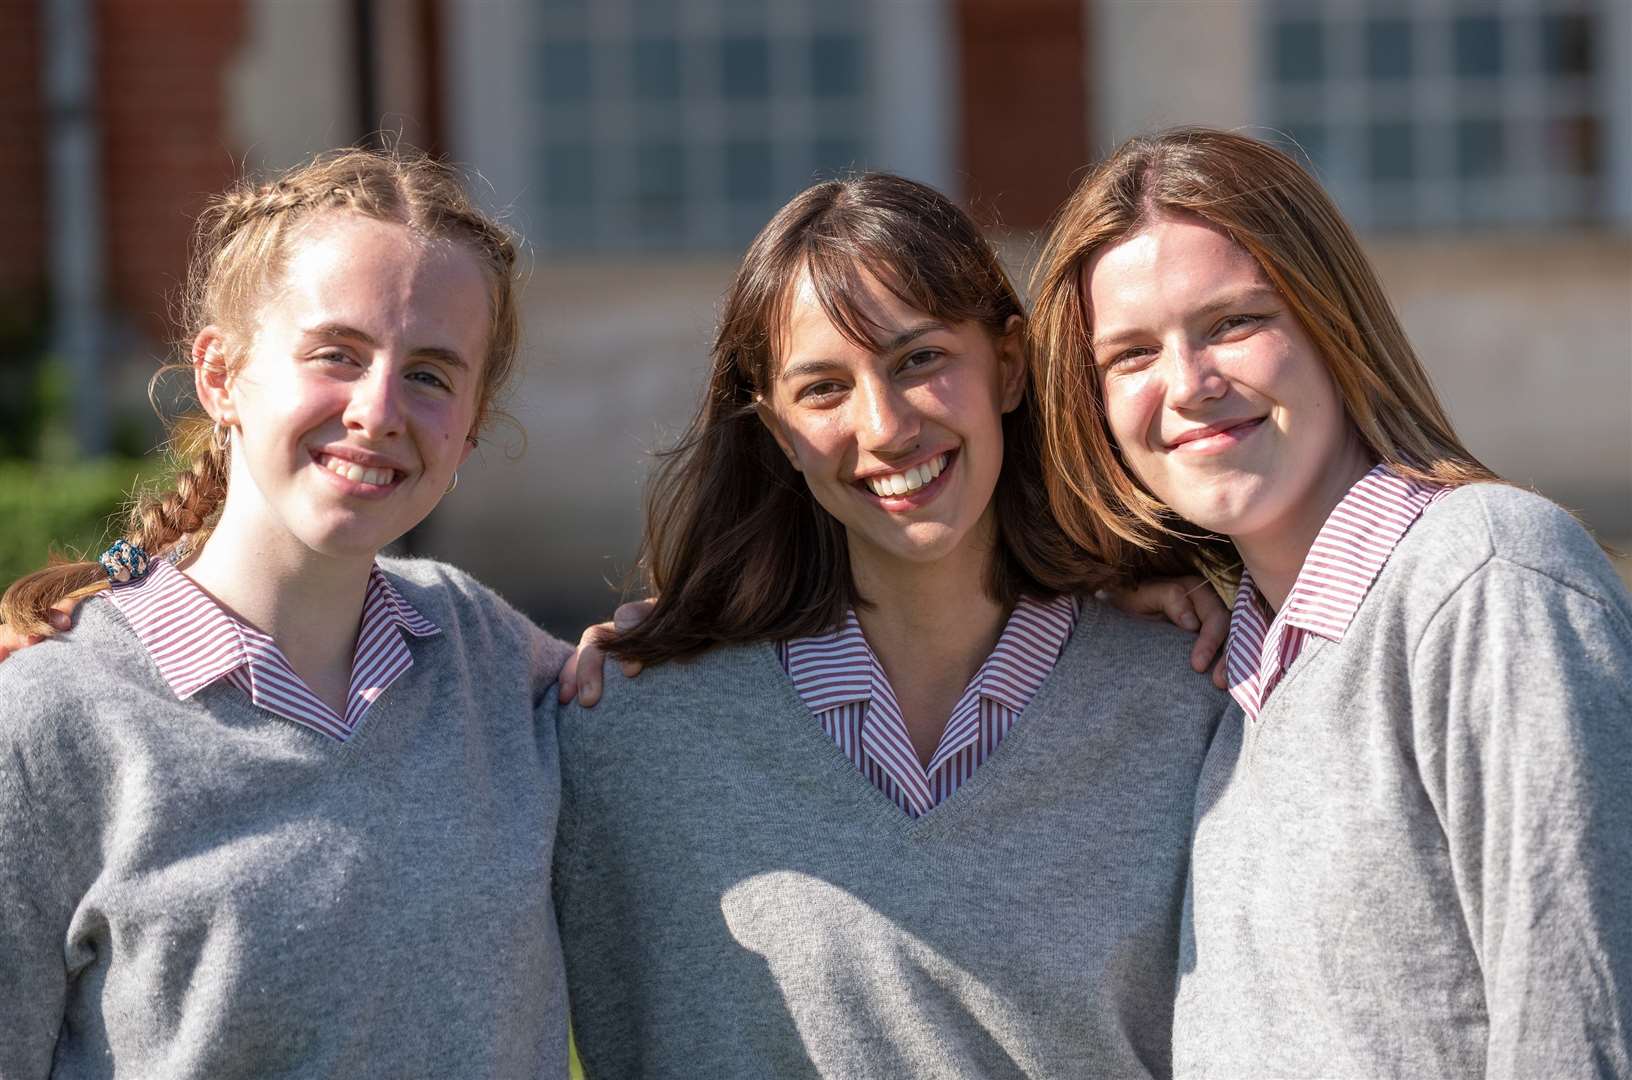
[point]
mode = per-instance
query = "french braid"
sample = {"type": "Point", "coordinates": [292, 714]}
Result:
{"type": "Point", "coordinates": [240, 247]}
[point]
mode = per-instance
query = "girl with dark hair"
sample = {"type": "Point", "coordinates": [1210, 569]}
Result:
{"type": "Point", "coordinates": [904, 799]}
{"type": "Point", "coordinates": [1413, 838]}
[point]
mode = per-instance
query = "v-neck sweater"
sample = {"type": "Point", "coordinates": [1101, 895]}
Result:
{"type": "Point", "coordinates": [202, 888]}
{"type": "Point", "coordinates": [1415, 861]}
{"type": "Point", "coordinates": [738, 900]}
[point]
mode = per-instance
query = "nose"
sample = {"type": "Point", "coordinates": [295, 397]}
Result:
{"type": "Point", "coordinates": [375, 408]}
{"type": "Point", "coordinates": [887, 423]}
{"type": "Point", "coordinates": [1193, 376]}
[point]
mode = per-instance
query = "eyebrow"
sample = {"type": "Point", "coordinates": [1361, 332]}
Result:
{"type": "Point", "coordinates": [431, 352]}
{"type": "Point", "coordinates": [902, 337]}
{"type": "Point", "coordinates": [1241, 298]}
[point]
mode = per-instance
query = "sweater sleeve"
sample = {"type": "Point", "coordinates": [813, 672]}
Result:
{"type": "Point", "coordinates": [1523, 731]}
{"type": "Point", "coordinates": [41, 849]}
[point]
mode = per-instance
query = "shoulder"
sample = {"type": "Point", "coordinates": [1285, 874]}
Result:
{"type": "Point", "coordinates": [728, 676]}
{"type": "Point", "coordinates": [471, 613]}
{"type": "Point", "coordinates": [1483, 535]}
{"type": "Point", "coordinates": [1117, 652]}
{"type": "Point", "coordinates": [55, 692]}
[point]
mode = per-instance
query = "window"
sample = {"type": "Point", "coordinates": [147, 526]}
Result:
{"type": "Point", "coordinates": [684, 126]}
{"type": "Point", "coordinates": [1457, 112]}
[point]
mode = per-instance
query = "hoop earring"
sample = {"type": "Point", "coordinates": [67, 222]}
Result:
{"type": "Point", "coordinates": [454, 484]}
{"type": "Point", "coordinates": [220, 437]}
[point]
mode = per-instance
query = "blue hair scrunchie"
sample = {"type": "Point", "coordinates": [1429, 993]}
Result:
{"type": "Point", "coordinates": [124, 562]}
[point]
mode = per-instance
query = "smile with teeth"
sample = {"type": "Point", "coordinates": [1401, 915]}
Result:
{"type": "Point", "coordinates": [911, 480]}
{"type": "Point", "coordinates": [355, 472]}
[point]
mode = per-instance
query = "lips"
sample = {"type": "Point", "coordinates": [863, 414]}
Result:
{"type": "Point", "coordinates": [369, 471]}
{"type": "Point", "coordinates": [1215, 436]}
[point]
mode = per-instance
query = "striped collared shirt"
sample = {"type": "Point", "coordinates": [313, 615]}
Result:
{"type": "Point", "coordinates": [841, 681]}
{"type": "Point", "coordinates": [1339, 570]}
{"type": "Point", "coordinates": [194, 643]}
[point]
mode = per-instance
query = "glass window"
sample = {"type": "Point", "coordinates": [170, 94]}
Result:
{"type": "Point", "coordinates": [1566, 44]}
{"type": "Point", "coordinates": [1480, 147]}
{"type": "Point", "coordinates": [564, 67]}
{"type": "Point", "coordinates": [1388, 49]}
{"type": "Point", "coordinates": [748, 170]}
{"type": "Point", "coordinates": [1392, 150]}
{"type": "Point", "coordinates": [745, 67]}
{"type": "Point", "coordinates": [1300, 51]}
{"type": "Point", "coordinates": [569, 173]}
{"type": "Point", "coordinates": [835, 65]}
{"type": "Point", "coordinates": [1478, 45]}
{"type": "Point", "coordinates": [836, 157]}
{"type": "Point", "coordinates": [656, 62]}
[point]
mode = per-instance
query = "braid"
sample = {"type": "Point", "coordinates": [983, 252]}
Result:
{"type": "Point", "coordinates": [239, 250]}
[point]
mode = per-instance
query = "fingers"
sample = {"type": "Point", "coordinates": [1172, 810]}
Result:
{"type": "Point", "coordinates": [1215, 626]}
{"type": "Point", "coordinates": [581, 676]}
{"type": "Point", "coordinates": [1220, 678]}
{"type": "Point", "coordinates": [626, 617]}
{"type": "Point", "coordinates": [61, 615]}
{"type": "Point", "coordinates": [1167, 598]}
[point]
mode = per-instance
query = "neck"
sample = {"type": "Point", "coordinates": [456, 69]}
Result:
{"type": "Point", "coordinates": [311, 605]}
{"type": "Point", "coordinates": [1276, 553]}
{"type": "Point", "coordinates": [931, 625]}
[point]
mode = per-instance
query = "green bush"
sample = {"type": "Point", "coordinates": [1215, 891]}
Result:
{"type": "Point", "coordinates": [66, 508]}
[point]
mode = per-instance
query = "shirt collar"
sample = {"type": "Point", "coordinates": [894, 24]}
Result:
{"type": "Point", "coordinates": [194, 641]}
{"type": "Point", "coordinates": [1345, 559]}
{"type": "Point", "coordinates": [839, 668]}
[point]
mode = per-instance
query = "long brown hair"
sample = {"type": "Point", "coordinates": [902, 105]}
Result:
{"type": "Point", "coordinates": [735, 545]}
{"type": "Point", "coordinates": [1267, 203]}
{"type": "Point", "coordinates": [240, 247]}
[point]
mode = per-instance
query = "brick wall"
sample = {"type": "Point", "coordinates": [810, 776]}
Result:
{"type": "Point", "coordinates": [162, 99]}
{"type": "Point", "coordinates": [1024, 105]}
{"type": "Point", "coordinates": [22, 163]}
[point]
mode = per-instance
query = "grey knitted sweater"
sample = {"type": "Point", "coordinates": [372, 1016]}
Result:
{"type": "Point", "coordinates": [1417, 862]}
{"type": "Point", "coordinates": [203, 889]}
{"type": "Point", "coordinates": [738, 900]}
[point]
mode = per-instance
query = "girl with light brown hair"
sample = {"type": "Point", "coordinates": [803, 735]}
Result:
{"type": "Point", "coordinates": [277, 805]}
{"type": "Point", "coordinates": [1412, 834]}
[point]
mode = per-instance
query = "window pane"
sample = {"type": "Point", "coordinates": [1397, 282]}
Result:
{"type": "Point", "coordinates": [657, 69]}
{"type": "Point", "coordinates": [1307, 143]}
{"type": "Point", "coordinates": [745, 67]}
{"type": "Point", "coordinates": [660, 192]}
{"type": "Point", "coordinates": [569, 173]}
{"type": "Point", "coordinates": [1393, 154]}
{"type": "Point", "coordinates": [835, 157]}
{"type": "Point", "coordinates": [1566, 44]}
{"type": "Point", "coordinates": [1478, 41]}
{"type": "Point", "coordinates": [564, 69]}
{"type": "Point", "coordinates": [1480, 148]}
{"type": "Point", "coordinates": [1575, 143]}
{"type": "Point", "coordinates": [835, 65]}
{"type": "Point", "coordinates": [1300, 51]}
{"type": "Point", "coordinates": [1388, 49]}
{"type": "Point", "coordinates": [748, 165]}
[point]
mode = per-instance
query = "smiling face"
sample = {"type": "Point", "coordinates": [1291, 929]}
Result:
{"type": "Point", "coordinates": [1214, 392]}
{"type": "Point", "coordinates": [352, 409]}
{"type": "Point", "coordinates": [902, 445]}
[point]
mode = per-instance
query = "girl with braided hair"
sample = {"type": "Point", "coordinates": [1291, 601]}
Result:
{"type": "Point", "coordinates": [278, 804]}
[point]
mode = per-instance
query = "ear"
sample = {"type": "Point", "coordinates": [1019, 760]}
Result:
{"type": "Point", "coordinates": [767, 416]}
{"type": "Point", "coordinates": [1011, 362]}
{"type": "Point", "coordinates": [212, 380]}
{"type": "Point", "coordinates": [470, 448]}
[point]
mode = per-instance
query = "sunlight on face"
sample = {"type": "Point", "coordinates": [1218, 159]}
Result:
{"type": "Point", "coordinates": [902, 444]}
{"type": "Point", "coordinates": [1218, 398]}
{"type": "Point", "coordinates": [361, 386]}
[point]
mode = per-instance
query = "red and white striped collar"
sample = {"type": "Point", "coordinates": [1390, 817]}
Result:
{"type": "Point", "coordinates": [194, 642]}
{"type": "Point", "coordinates": [839, 668]}
{"type": "Point", "coordinates": [1343, 563]}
